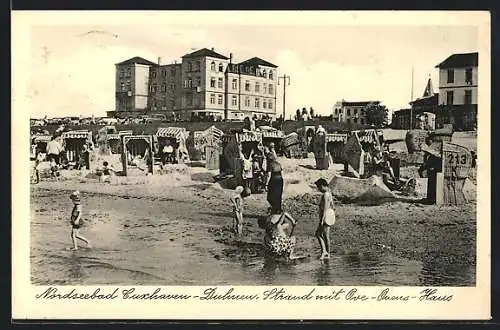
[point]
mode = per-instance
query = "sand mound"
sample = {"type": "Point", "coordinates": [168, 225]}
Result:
{"type": "Point", "coordinates": [371, 190]}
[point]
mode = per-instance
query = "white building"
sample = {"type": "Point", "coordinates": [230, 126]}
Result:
{"type": "Point", "coordinates": [458, 79]}
{"type": "Point", "coordinates": [351, 112]}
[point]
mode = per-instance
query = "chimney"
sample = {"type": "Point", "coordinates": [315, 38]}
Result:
{"type": "Point", "coordinates": [213, 49]}
{"type": "Point", "coordinates": [159, 60]}
{"type": "Point", "coordinates": [230, 58]}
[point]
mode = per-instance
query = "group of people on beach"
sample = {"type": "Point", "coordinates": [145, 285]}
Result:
{"type": "Point", "coordinates": [278, 224]}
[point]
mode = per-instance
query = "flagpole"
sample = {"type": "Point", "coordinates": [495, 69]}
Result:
{"type": "Point", "coordinates": [411, 107]}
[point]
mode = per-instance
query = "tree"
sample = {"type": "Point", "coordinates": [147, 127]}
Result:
{"type": "Point", "coordinates": [311, 112]}
{"type": "Point", "coordinates": [297, 114]}
{"type": "Point", "coordinates": [304, 111]}
{"type": "Point", "coordinates": [376, 114]}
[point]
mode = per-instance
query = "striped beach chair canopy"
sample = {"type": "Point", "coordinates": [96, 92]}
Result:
{"type": "Point", "coordinates": [81, 134]}
{"type": "Point", "coordinates": [41, 138]}
{"type": "Point", "coordinates": [336, 137]}
{"type": "Point", "coordinates": [171, 132]}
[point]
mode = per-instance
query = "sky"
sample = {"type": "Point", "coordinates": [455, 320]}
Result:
{"type": "Point", "coordinates": [71, 67]}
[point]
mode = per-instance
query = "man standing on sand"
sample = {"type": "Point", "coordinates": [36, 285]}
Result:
{"type": "Point", "coordinates": [54, 149]}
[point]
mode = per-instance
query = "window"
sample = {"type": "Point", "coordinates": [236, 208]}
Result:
{"type": "Point", "coordinates": [335, 111]}
{"type": "Point", "coordinates": [122, 87]}
{"type": "Point", "coordinates": [190, 67]}
{"type": "Point", "coordinates": [164, 73]}
{"type": "Point", "coordinates": [129, 85]}
{"type": "Point", "coordinates": [264, 104]}
{"type": "Point", "coordinates": [129, 72]}
{"type": "Point", "coordinates": [185, 83]}
{"type": "Point", "coordinates": [198, 81]}
{"type": "Point", "coordinates": [153, 74]}
{"type": "Point", "coordinates": [270, 104]}
{"type": "Point", "coordinates": [270, 88]}
{"type": "Point", "coordinates": [257, 102]}
{"type": "Point", "coordinates": [235, 83]}
{"type": "Point", "coordinates": [449, 98]}
{"type": "Point", "coordinates": [164, 88]}
{"type": "Point", "coordinates": [190, 83]}
{"type": "Point", "coordinates": [247, 86]}
{"type": "Point", "coordinates": [173, 72]}
{"type": "Point", "coordinates": [264, 73]}
{"type": "Point", "coordinates": [468, 76]}
{"type": "Point", "coordinates": [212, 98]}
{"type": "Point", "coordinates": [219, 99]}
{"type": "Point", "coordinates": [234, 100]}
{"type": "Point", "coordinates": [221, 67]}
{"type": "Point", "coordinates": [212, 66]}
{"type": "Point", "coordinates": [355, 111]}
{"type": "Point", "coordinates": [468, 97]}
{"type": "Point", "coordinates": [348, 112]}
{"type": "Point", "coordinates": [189, 99]}
{"type": "Point", "coordinates": [122, 73]}
{"type": "Point", "coordinates": [264, 88]}
{"type": "Point", "coordinates": [271, 75]}
{"type": "Point", "coordinates": [247, 101]}
{"type": "Point", "coordinates": [257, 87]}
{"type": "Point", "coordinates": [212, 82]}
{"type": "Point", "coordinates": [451, 76]}
{"type": "Point", "coordinates": [219, 83]}
{"type": "Point", "coordinates": [153, 88]}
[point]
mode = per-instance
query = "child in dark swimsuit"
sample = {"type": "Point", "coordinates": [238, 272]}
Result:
{"type": "Point", "coordinates": [76, 220]}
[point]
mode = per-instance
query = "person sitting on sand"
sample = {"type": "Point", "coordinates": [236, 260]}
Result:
{"type": "Point", "coordinates": [278, 240]}
{"type": "Point", "coordinates": [326, 218]}
{"type": "Point", "coordinates": [76, 220]}
{"type": "Point", "coordinates": [237, 201]}
{"type": "Point", "coordinates": [106, 173]}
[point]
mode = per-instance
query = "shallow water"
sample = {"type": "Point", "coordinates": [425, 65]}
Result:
{"type": "Point", "coordinates": [136, 241]}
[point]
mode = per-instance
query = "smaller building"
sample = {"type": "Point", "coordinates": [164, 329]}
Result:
{"type": "Point", "coordinates": [352, 112]}
{"type": "Point", "coordinates": [422, 111]}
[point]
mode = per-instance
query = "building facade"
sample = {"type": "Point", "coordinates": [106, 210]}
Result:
{"type": "Point", "coordinates": [458, 85]}
{"type": "Point", "coordinates": [351, 112]}
{"type": "Point", "coordinates": [456, 101]}
{"type": "Point", "coordinates": [205, 84]}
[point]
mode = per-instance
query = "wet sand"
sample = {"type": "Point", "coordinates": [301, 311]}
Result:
{"type": "Point", "coordinates": [179, 235]}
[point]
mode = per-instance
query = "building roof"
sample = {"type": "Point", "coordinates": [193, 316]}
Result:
{"type": "Point", "coordinates": [459, 61]}
{"type": "Point", "coordinates": [429, 89]}
{"type": "Point", "coordinates": [426, 101]}
{"type": "Point", "coordinates": [205, 52]}
{"type": "Point", "coordinates": [137, 60]}
{"type": "Point", "coordinates": [255, 61]}
{"type": "Point", "coordinates": [358, 104]}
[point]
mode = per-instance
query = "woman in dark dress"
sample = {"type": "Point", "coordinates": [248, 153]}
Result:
{"type": "Point", "coordinates": [274, 184]}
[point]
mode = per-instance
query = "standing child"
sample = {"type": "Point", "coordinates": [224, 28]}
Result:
{"type": "Point", "coordinates": [326, 218]}
{"type": "Point", "coordinates": [76, 220]}
{"type": "Point", "coordinates": [237, 201]}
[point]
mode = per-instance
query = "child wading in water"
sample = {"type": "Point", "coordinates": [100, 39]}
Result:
{"type": "Point", "coordinates": [237, 201]}
{"type": "Point", "coordinates": [76, 220]}
{"type": "Point", "coordinates": [326, 218]}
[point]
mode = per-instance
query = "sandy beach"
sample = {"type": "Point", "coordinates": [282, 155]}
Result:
{"type": "Point", "coordinates": [173, 229]}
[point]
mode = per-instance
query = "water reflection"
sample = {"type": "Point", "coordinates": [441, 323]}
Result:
{"type": "Point", "coordinates": [439, 270]}
{"type": "Point", "coordinates": [322, 273]}
{"type": "Point", "coordinates": [75, 267]}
